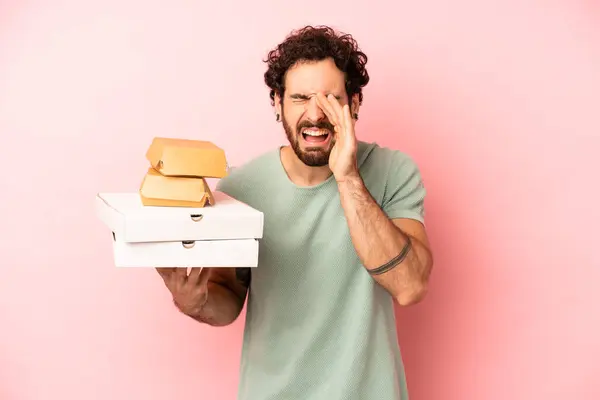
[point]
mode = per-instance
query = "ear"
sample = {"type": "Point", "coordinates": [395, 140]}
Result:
{"type": "Point", "coordinates": [277, 106]}
{"type": "Point", "coordinates": [354, 105]}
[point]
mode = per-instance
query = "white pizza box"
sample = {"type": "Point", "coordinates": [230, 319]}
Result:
{"type": "Point", "coordinates": [241, 253]}
{"type": "Point", "coordinates": [132, 222]}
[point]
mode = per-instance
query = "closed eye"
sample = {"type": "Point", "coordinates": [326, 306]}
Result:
{"type": "Point", "coordinates": [299, 98]}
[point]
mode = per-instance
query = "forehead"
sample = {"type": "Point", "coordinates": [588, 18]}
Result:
{"type": "Point", "coordinates": [315, 76]}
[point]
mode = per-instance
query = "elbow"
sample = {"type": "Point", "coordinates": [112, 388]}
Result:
{"type": "Point", "coordinates": [413, 296]}
{"type": "Point", "coordinates": [417, 291]}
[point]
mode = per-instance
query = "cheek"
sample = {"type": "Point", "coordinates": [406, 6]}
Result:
{"type": "Point", "coordinates": [292, 118]}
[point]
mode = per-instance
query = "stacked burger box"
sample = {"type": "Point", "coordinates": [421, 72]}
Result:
{"type": "Point", "coordinates": [175, 219]}
{"type": "Point", "coordinates": [178, 171]}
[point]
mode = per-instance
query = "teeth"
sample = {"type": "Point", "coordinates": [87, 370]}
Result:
{"type": "Point", "coordinates": [310, 132]}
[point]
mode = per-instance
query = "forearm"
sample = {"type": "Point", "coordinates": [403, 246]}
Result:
{"type": "Point", "coordinates": [378, 240]}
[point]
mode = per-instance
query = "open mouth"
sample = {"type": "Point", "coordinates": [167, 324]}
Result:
{"type": "Point", "coordinates": [315, 135]}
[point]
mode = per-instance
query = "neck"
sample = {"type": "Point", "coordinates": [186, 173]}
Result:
{"type": "Point", "coordinates": [300, 173]}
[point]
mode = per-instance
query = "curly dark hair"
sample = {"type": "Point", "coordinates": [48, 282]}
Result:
{"type": "Point", "coordinates": [316, 43]}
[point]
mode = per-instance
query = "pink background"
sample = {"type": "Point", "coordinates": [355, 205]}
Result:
{"type": "Point", "coordinates": [499, 103]}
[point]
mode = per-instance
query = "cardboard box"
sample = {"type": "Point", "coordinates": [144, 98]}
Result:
{"type": "Point", "coordinates": [171, 191]}
{"type": "Point", "coordinates": [185, 157]}
{"type": "Point", "coordinates": [208, 253]}
{"type": "Point", "coordinates": [223, 235]}
{"type": "Point", "coordinates": [131, 221]}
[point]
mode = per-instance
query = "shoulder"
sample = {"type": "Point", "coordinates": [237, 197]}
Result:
{"type": "Point", "coordinates": [394, 180]}
{"type": "Point", "coordinates": [241, 179]}
{"type": "Point", "coordinates": [385, 162]}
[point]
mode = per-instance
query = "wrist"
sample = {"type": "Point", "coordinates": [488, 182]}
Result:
{"type": "Point", "coordinates": [352, 180]}
{"type": "Point", "coordinates": [350, 177]}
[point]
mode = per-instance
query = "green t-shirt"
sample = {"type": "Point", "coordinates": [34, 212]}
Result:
{"type": "Point", "coordinates": [318, 326]}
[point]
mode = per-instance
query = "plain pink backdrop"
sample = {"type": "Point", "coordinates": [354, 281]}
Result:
{"type": "Point", "coordinates": [498, 102]}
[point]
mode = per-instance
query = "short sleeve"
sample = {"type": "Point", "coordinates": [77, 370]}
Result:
{"type": "Point", "coordinates": [404, 195]}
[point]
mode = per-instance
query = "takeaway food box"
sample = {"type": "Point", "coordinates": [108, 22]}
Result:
{"type": "Point", "coordinates": [174, 219]}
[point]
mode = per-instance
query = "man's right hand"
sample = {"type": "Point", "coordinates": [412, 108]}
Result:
{"type": "Point", "coordinates": [189, 291]}
{"type": "Point", "coordinates": [214, 296]}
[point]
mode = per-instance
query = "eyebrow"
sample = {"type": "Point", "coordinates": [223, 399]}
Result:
{"type": "Point", "coordinates": [306, 97]}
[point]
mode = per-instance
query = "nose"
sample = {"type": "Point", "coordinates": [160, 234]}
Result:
{"type": "Point", "coordinates": [313, 111]}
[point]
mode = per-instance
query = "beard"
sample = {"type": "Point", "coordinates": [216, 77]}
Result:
{"type": "Point", "coordinates": [311, 156]}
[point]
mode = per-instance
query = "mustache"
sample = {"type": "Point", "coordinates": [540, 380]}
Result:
{"type": "Point", "coordinates": [319, 125]}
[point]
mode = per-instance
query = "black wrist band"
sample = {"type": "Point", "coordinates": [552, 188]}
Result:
{"type": "Point", "coordinates": [394, 261]}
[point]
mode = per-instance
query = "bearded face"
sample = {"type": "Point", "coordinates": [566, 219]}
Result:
{"type": "Point", "coordinates": [309, 131]}
{"type": "Point", "coordinates": [312, 141]}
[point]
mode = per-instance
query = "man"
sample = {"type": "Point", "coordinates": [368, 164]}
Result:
{"type": "Point", "coordinates": [343, 241]}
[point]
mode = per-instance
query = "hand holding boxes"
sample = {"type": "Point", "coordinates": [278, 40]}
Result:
{"type": "Point", "coordinates": [174, 220]}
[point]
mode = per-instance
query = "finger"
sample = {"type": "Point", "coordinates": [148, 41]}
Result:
{"type": "Point", "coordinates": [204, 276]}
{"type": "Point", "coordinates": [322, 104]}
{"type": "Point", "coordinates": [198, 279]}
{"type": "Point", "coordinates": [181, 274]}
{"type": "Point", "coordinates": [167, 276]}
{"type": "Point", "coordinates": [336, 107]}
{"type": "Point", "coordinates": [350, 132]}
{"type": "Point", "coordinates": [348, 120]}
{"type": "Point", "coordinates": [165, 273]}
{"type": "Point", "coordinates": [327, 109]}
{"type": "Point", "coordinates": [345, 126]}
{"type": "Point", "coordinates": [194, 275]}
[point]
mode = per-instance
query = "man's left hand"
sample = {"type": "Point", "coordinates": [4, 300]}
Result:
{"type": "Point", "coordinates": [342, 160]}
